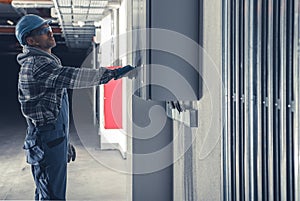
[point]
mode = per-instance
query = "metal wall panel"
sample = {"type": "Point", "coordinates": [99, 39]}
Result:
{"type": "Point", "coordinates": [261, 76]}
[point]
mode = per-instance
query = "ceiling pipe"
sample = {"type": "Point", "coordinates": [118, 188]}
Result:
{"type": "Point", "coordinates": [11, 30]}
{"type": "Point", "coordinates": [6, 1]}
{"type": "Point", "coordinates": [32, 4]}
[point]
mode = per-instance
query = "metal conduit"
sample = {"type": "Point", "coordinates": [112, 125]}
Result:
{"type": "Point", "coordinates": [264, 107]}
{"type": "Point", "coordinates": [259, 103]}
{"type": "Point", "coordinates": [283, 101]}
{"type": "Point", "coordinates": [225, 79]}
{"type": "Point", "coordinates": [270, 105]}
{"type": "Point", "coordinates": [261, 142]}
{"type": "Point", "coordinates": [247, 141]}
{"type": "Point", "coordinates": [236, 113]}
{"type": "Point", "coordinates": [296, 102]}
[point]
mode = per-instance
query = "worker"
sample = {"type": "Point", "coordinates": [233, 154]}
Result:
{"type": "Point", "coordinates": [44, 103]}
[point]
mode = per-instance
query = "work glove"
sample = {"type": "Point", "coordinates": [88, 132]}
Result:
{"type": "Point", "coordinates": [123, 72]}
{"type": "Point", "coordinates": [71, 153]}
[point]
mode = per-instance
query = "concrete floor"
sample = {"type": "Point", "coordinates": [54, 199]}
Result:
{"type": "Point", "coordinates": [88, 177]}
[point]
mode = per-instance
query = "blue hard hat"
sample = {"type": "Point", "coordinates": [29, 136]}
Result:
{"type": "Point", "coordinates": [26, 24]}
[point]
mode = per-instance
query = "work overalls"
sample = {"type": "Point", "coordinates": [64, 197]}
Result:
{"type": "Point", "coordinates": [46, 150]}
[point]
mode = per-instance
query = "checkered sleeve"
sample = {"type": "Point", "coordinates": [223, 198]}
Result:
{"type": "Point", "coordinates": [52, 75]}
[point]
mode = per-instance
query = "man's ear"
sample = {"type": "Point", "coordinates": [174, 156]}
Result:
{"type": "Point", "coordinates": [30, 41]}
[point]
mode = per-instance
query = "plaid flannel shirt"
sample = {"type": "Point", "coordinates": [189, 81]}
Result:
{"type": "Point", "coordinates": [42, 79]}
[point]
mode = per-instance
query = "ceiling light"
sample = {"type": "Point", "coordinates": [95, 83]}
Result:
{"type": "Point", "coordinates": [97, 23]}
{"type": "Point", "coordinates": [114, 4]}
{"type": "Point", "coordinates": [10, 22]}
{"type": "Point", "coordinates": [80, 23]}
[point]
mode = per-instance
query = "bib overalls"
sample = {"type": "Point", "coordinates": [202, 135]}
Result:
{"type": "Point", "coordinates": [46, 150]}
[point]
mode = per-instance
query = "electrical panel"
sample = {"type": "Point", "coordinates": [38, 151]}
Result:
{"type": "Point", "coordinates": [166, 38]}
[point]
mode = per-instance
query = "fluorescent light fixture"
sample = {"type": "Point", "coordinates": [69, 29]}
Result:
{"type": "Point", "coordinates": [32, 4]}
{"type": "Point", "coordinates": [81, 23]}
{"type": "Point", "coordinates": [114, 4]}
{"type": "Point", "coordinates": [78, 23]}
{"type": "Point", "coordinates": [10, 22]}
{"type": "Point", "coordinates": [97, 23]}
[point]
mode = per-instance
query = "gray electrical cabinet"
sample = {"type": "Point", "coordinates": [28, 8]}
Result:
{"type": "Point", "coordinates": [166, 44]}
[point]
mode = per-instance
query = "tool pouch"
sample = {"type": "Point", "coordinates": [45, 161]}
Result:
{"type": "Point", "coordinates": [33, 150]}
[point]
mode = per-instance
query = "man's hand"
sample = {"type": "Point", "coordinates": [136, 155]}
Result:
{"type": "Point", "coordinates": [71, 153]}
{"type": "Point", "coordinates": [123, 72]}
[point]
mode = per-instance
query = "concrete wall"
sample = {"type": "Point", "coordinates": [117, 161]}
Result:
{"type": "Point", "coordinates": [208, 143]}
